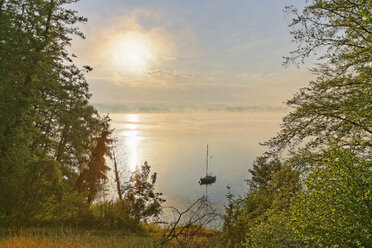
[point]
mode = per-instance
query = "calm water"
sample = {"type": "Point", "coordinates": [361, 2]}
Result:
{"type": "Point", "coordinates": [174, 144]}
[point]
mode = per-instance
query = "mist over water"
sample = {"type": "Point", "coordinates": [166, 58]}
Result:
{"type": "Point", "coordinates": [174, 144]}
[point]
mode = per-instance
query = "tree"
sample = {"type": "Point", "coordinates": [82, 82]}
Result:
{"type": "Point", "coordinates": [332, 209]}
{"type": "Point", "coordinates": [94, 175]}
{"type": "Point", "coordinates": [117, 177]}
{"type": "Point", "coordinates": [336, 208]}
{"type": "Point", "coordinates": [258, 215]}
{"type": "Point", "coordinates": [262, 172]}
{"type": "Point", "coordinates": [139, 194]}
{"type": "Point", "coordinates": [44, 109]}
{"type": "Point", "coordinates": [335, 107]}
{"type": "Point", "coordinates": [342, 28]}
{"type": "Point", "coordinates": [333, 111]}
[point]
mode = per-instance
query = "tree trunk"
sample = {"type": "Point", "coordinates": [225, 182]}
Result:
{"type": "Point", "coordinates": [117, 178]}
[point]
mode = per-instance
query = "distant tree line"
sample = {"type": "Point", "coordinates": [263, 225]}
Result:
{"type": "Point", "coordinates": [313, 186]}
{"type": "Point", "coordinates": [53, 143]}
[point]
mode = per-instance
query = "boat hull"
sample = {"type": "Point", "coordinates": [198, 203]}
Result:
{"type": "Point", "coordinates": [207, 180]}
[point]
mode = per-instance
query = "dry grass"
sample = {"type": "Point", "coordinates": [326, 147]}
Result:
{"type": "Point", "coordinates": [81, 238]}
{"type": "Point", "coordinates": [59, 238]}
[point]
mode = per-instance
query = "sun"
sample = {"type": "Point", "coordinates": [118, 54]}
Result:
{"type": "Point", "coordinates": [134, 52]}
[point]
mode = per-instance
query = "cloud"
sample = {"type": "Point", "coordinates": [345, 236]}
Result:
{"type": "Point", "coordinates": [100, 48]}
{"type": "Point", "coordinates": [170, 74]}
{"type": "Point", "coordinates": [181, 75]}
{"type": "Point", "coordinates": [287, 79]}
{"type": "Point", "coordinates": [162, 72]}
{"type": "Point", "coordinates": [265, 90]}
{"type": "Point", "coordinates": [155, 107]}
{"type": "Point", "coordinates": [258, 77]}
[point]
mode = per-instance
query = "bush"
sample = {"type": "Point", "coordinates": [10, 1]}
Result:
{"type": "Point", "coordinates": [114, 215]}
{"type": "Point", "coordinates": [73, 210]}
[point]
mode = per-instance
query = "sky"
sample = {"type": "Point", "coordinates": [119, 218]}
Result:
{"type": "Point", "coordinates": [171, 54]}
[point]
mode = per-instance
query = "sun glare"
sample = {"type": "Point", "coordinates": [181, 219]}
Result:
{"type": "Point", "coordinates": [132, 137]}
{"type": "Point", "coordinates": [132, 118]}
{"type": "Point", "coordinates": [134, 53]}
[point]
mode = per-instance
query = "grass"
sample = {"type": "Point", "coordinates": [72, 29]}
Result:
{"type": "Point", "coordinates": [63, 238]}
{"type": "Point", "coordinates": [69, 237]}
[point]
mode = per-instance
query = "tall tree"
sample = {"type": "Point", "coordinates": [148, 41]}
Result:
{"type": "Point", "coordinates": [334, 108]}
{"type": "Point", "coordinates": [93, 177]}
{"type": "Point", "coordinates": [45, 117]}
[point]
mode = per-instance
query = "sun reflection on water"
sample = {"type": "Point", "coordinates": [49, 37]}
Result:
{"type": "Point", "coordinates": [132, 137]}
{"type": "Point", "coordinates": [132, 118]}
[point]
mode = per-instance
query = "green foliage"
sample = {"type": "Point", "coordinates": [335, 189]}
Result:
{"type": "Point", "coordinates": [229, 233]}
{"type": "Point", "coordinates": [262, 172]}
{"type": "Point", "coordinates": [42, 189]}
{"type": "Point", "coordinates": [48, 130]}
{"type": "Point", "coordinates": [336, 208]}
{"type": "Point", "coordinates": [335, 108]}
{"type": "Point", "coordinates": [342, 28]}
{"type": "Point", "coordinates": [139, 203]}
{"type": "Point", "coordinates": [333, 210]}
{"type": "Point", "coordinates": [139, 194]}
{"type": "Point", "coordinates": [247, 216]}
{"type": "Point", "coordinates": [303, 192]}
{"type": "Point", "coordinates": [258, 219]}
{"type": "Point", "coordinates": [274, 231]}
{"type": "Point", "coordinates": [72, 210]}
{"type": "Point", "coordinates": [114, 215]}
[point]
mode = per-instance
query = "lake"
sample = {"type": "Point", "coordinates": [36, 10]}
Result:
{"type": "Point", "coordinates": [174, 144]}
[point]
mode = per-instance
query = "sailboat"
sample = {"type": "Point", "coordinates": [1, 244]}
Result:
{"type": "Point", "coordinates": [209, 178]}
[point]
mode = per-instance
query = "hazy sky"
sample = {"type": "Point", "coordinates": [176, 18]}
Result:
{"type": "Point", "coordinates": [200, 54]}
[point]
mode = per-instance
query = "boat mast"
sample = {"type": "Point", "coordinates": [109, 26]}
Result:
{"type": "Point", "coordinates": [206, 172]}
